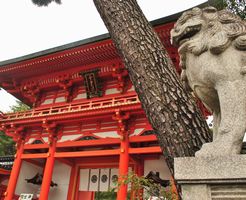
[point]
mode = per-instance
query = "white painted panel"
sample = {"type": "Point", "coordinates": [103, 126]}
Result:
{"type": "Point", "coordinates": [104, 179]}
{"type": "Point", "coordinates": [80, 96]}
{"type": "Point", "coordinates": [45, 139]}
{"type": "Point", "coordinates": [69, 137]}
{"type": "Point", "coordinates": [113, 174]}
{"type": "Point", "coordinates": [84, 178]}
{"type": "Point", "coordinates": [94, 180]}
{"type": "Point", "coordinates": [60, 99]}
{"type": "Point", "coordinates": [27, 171]}
{"type": "Point", "coordinates": [112, 91]}
{"type": "Point", "coordinates": [157, 166]}
{"type": "Point", "coordinates": [31, 140]}
{"type": "Point", "coordinates": [61, 176]}
{"type": "Point", "coordinates": [108, 134]}
{"type": "Point", "coordinates": [137, 131]}
{"type": "Point", "coordinates": [47, 101]}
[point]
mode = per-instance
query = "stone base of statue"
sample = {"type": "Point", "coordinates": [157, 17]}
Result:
{"type": "Point", "coordinates": [211, 178]}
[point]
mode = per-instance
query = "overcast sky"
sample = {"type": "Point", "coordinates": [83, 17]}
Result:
{"type": "Point", "coordinates": [26, 28]}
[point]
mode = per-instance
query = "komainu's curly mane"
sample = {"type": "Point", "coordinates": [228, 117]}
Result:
{"type": "Point", "coordinates": [200, 30]}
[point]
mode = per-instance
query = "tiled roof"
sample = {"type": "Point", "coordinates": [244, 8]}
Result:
{"type": "Point", "coordinates": [6, 162]}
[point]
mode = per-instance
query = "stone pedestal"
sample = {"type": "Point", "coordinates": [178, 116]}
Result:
{"type": "Point", "coordinates": [212, 178]}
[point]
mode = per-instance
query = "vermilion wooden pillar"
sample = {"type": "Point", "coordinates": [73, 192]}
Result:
{"type": "Point", "coordinates": [72, 183]}
{"type": "Point", "coordinates": [10, 192]}
{"type": "Point", "coordinates": [123, 166]}
{"type": "Point", "coordinates": [49, 166]}
{"type": "Point", "coordinates": [140, 172]}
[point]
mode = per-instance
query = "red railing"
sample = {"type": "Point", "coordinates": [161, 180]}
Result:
{"type": "Point", "coordinates": [74, 107]}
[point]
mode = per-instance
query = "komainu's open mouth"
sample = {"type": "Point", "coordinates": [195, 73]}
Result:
{"type": "Point", "coordinates": [186, 35]}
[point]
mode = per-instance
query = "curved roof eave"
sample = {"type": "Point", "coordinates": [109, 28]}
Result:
{"type": "Point", "coordinates": [164, 20]}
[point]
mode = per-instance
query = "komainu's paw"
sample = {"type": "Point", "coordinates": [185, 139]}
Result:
{"type": "Point", "coordinates": [218, 148]}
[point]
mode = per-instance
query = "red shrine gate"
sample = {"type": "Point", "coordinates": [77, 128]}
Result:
{"type": "Point", "coordinates": [86, 126]}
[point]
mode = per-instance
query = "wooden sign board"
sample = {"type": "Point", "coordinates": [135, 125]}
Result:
{"type": "Point", "coordinates": [26, 197]}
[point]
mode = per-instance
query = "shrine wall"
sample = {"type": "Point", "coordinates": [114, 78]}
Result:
{"type": "Point", "coordinates": [61, 176]}
{"type": "Point", "coordinates": [28, 170]}
{"type": "Point", "coordinates": [157, 166]}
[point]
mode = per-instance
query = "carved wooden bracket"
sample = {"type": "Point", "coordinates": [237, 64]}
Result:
{"type": "Point", "coordinates": [66, 83]}
{"type": "Point", "coordinates": [120, 73]}
{"type": "Point", "coordinates": [121, 119]}
{"type": "Point", "coordinates": [31, 92]}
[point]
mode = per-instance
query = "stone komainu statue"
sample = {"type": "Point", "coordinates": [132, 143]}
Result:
{"type": "Point", "coordinates": [212, 48]}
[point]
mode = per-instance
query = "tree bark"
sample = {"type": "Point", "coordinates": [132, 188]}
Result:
{"type": "Point", "coordinates": [172, 112]}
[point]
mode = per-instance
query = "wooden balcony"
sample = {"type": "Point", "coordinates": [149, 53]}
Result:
{"type": "Point", "coordinates": [102, 104]}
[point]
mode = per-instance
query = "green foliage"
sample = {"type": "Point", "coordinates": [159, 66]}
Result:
{"type": "Point", "coordinates": [106, 195]}
{"type": "Point", "coordinates": [6, 143]}
{"type": "Point", "coordinates": [238, 7]}
{"type": "Point", "coordinates": [19, 107]}
{"type": "Point", "coordinates": [150, 188]}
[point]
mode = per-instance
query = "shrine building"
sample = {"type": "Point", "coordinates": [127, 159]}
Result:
{"type": "Point", "coordinates": [86, 127]}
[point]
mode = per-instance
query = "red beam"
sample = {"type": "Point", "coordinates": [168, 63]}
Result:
{"type": "Point", "coordinates": [99, 142]}
{"type": "Point", "coordinates": [87, 153]}
{"type": "Point", "coordinates": [147, 138]}
{"type": "Point", "coordinates": [107, 141]}
{"type": "Point", "coordinates": [36, 146]}
{"type": "Point", "coordinates": [145, 150]}
{"type": "Point", "coordinates": [4, 172]}
{"type": "Point", "coordinates": [34, 155]}
{"type": "Point", "coordinates": [95, 153]}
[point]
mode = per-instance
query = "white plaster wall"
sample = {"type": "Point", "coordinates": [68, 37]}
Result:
{"type": "Point", "coordinates": [69, 137]}
{"type": "Point", "coordinates": [157, 166]}
{"type": "Point", "coordinates": [108, 134]}
{"type": "Point", "coordinates": [137, 131]}
{"type": "Point", "coordinates": [28, 171]}
{"type": "Point", "coordinates": [61, 176]}
{"type": "Point", "coordinates": [112, 91]}
{"type": "Point", "coordinates": [84, 178]}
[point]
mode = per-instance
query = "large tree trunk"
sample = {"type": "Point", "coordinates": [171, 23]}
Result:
{"type": "Point", "coordinates": [173, 114]}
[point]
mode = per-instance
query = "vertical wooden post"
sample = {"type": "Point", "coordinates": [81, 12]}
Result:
{"type": "Point", "coordinates": [123, 166]}
{"type": "Point", "coordinates": [72, 183]}
{"type": "Point", "coordinates": [124, 153]}
{"type": "Point", "coordinates": [9, 194]}
{"type": "Point", "coordinates": [140, 172]}
{"type": "Point", "coordinates": [49, 166]}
